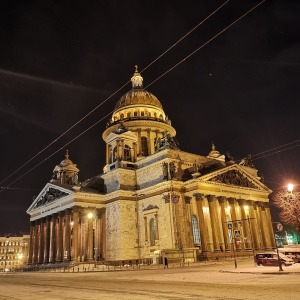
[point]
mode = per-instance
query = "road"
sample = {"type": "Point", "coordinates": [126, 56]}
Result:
{"type": "Point", "coordinates": [206, 282]}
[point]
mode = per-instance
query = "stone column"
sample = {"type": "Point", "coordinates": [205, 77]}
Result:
{"type": "Point", "coordinates": [59, 256]}
{"type": "Point", "coordinates": [36, 243]}
{"type": "Point", "coordinates": [270, 224]}
{"type": "Point", "coordinates": [145, 229]}
{"type": "Point", "coordinates": [41, 242]}
{"type": "Point", "coordinates": [264, 227]}
{"type": "Point", "coordinates": [103, 233]}
{"type": "Point", "coordinates": [122, 149]}
{"type": "Point", "coordinates": [214, 225]}
{"type": "Point", "coordinates": [139, 142]}
{"type": "Point", "coordinates": [47, 240]}
{"type": "Point", "coordinates": [134, 152]}
{"type": "Point", "coordinates": [118, 149]}
{"type": "Point", "coordinates": [75, 233]}
{"type": "Point", "coordinates": [224, 223]}
{"type": "Point", "coordinates": [149, 141]}
{"type": "Point", "coordinates": [52, 248]}
{"type": "Point", "coordinates": [31, 243]}
{"type": "Point", "coordinates": [254, 225]}
{"type": "Point", "coordinates": [110, 155]}
{"type": "Point", "coordinates": [202, 225]}
{"type": "Point", "coordinates": [67, 237]}
{"type": "Point", "coordinates": [90, 239]}
{"type": "Point", "coordinates": [156, 229]}
{"type": "Point", "coordinates": [235, 224]}
{"type": "Point", "coordinates": [108, 149]}
{"type": "Point", "coordinates": [246, 228]}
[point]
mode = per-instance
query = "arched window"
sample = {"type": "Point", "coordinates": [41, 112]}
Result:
{"type": "Point", "coordinates": [135, 113]}
{"type": "Point", "coordinates": [196, 232]}
{"type": "Point", "coordinates": [142, 113]}
{"type": "Point", "coordinates": [121, 116]}
{"type": "Point", "coordinates": [114, 154]}
{"type": "Point", "coordinates": [144, 146]}
{"type": "Point", "coordinates": [152, 232]}
{"type": "Point", "coordinates": [160, 116]}
{"type": "Point", "coordinates": [128, 114]}
{"type": "Point", "coordinates": [127, 153]}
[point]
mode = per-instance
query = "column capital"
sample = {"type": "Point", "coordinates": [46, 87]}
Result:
{"type": "Point", "coordinates": [241, 201]}
{"type": "Point", "coordinates": [76, 209]}
{"type": "Point", "coordinates": [61, 213]}
{"type": "Point", "coordinates": [231, 200]}
{"type": "Point", "coordinates": [187, 199]}
{"type": "Point", "coordinates": [100, 211]}
{"type": "Point", "coordinates": [249, 202]}
{"type": "Point", "coordinates": [198, 196]}
{"type": "Point", "coordinates": [221, 199]}
{"type": "Point", "coordinates": [68, 211]}
{"type": "Point", "coordinates": [167, 198]}
{"type": "Point", "coordinates": [210, 198]}
{"type": "Point", "coordinates": [54, 216]}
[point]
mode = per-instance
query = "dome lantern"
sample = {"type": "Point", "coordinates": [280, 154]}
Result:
{"type": "Point", "coordinates": [137, 79]}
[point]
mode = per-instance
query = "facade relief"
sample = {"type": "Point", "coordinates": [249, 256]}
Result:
{"type": "Point", "coordinates": [51, 195]}
{"type": "Point", "coordinates": [234, 177]}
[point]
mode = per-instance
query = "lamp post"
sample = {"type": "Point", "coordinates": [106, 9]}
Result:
{"type": "Point", "coordinates": [279, 228]}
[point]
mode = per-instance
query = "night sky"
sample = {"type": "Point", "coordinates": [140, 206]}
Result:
{"type": "Point", "coordinates": [59, 60]}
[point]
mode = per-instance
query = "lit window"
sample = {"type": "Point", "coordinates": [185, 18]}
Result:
{"type": "Point", "coordinates": [144, 146]}
{"type": "Point", "coordinates": [152, 232]}
{"type": "Point", "coordinates": [127, 153]}
{"type": "Point", "coordinates": [196, 232]}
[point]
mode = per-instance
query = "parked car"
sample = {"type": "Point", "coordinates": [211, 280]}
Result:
{"type": "Point", "coordinates": [271, 259]}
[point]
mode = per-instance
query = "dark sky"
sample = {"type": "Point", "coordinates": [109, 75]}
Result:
{"type": "Point", "coordinates": [61, 59]}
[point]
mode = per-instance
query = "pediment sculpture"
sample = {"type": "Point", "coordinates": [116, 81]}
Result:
{"type": "Point", "coordinates": [51, 195]}
{"type": "Point", "coordinates": [233, 177]}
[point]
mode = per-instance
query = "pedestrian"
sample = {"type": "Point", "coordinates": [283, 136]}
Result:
{"type": "Point", "coordinates": [166, 263]}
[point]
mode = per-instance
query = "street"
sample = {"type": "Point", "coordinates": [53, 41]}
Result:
{"type": "Point", "coordinates": [210, 281]}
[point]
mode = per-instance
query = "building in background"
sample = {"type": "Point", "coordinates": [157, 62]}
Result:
{"type": "Point", "coordinates": [13, 251]}
{"type": "Point", "coordinates": [152, 199]}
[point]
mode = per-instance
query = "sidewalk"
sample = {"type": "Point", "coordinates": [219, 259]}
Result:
{"type": "Point", "coordinates": [294, 269]}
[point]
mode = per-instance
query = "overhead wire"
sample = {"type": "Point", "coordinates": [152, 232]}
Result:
{"type": "Point", "coordinates": [207, 42]}
{"type": "Point", "coordinates": [114, 93]}
{"type": "Point", "coordinates": [172, 68]}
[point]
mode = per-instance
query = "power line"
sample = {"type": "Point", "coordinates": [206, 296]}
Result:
{"type": "Point", "coordinates": [118, 90]}
{"type": "Point", "coordinates": [215, 36]}
{"type": "Point", "coordinates": [203, 45]}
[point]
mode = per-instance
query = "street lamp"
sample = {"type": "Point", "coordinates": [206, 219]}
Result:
{"type": "Point", "coordinates": [290, 187]}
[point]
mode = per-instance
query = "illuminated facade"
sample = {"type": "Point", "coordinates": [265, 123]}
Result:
{"type": "Point", "coordinates": [13, 251]}
{"type": "Point", "coordinates": [152, 200]}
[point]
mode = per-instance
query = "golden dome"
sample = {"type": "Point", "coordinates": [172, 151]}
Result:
{"type": "Point", "coordinates": [137, 96]}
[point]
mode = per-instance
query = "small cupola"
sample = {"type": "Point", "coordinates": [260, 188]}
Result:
{"type": "Point", "coordinates": [66, 172]}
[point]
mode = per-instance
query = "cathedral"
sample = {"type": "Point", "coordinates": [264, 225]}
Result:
{"type": "Point", "coordinates": [152, 200]}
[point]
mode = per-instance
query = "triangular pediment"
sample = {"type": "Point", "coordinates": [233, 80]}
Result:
{"type": "Point", "coordinates": [48, 195]}
{"type": "Point", "coordinates": [235, 176]}
{"type": "Point", "coordinates": [128, 135]}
